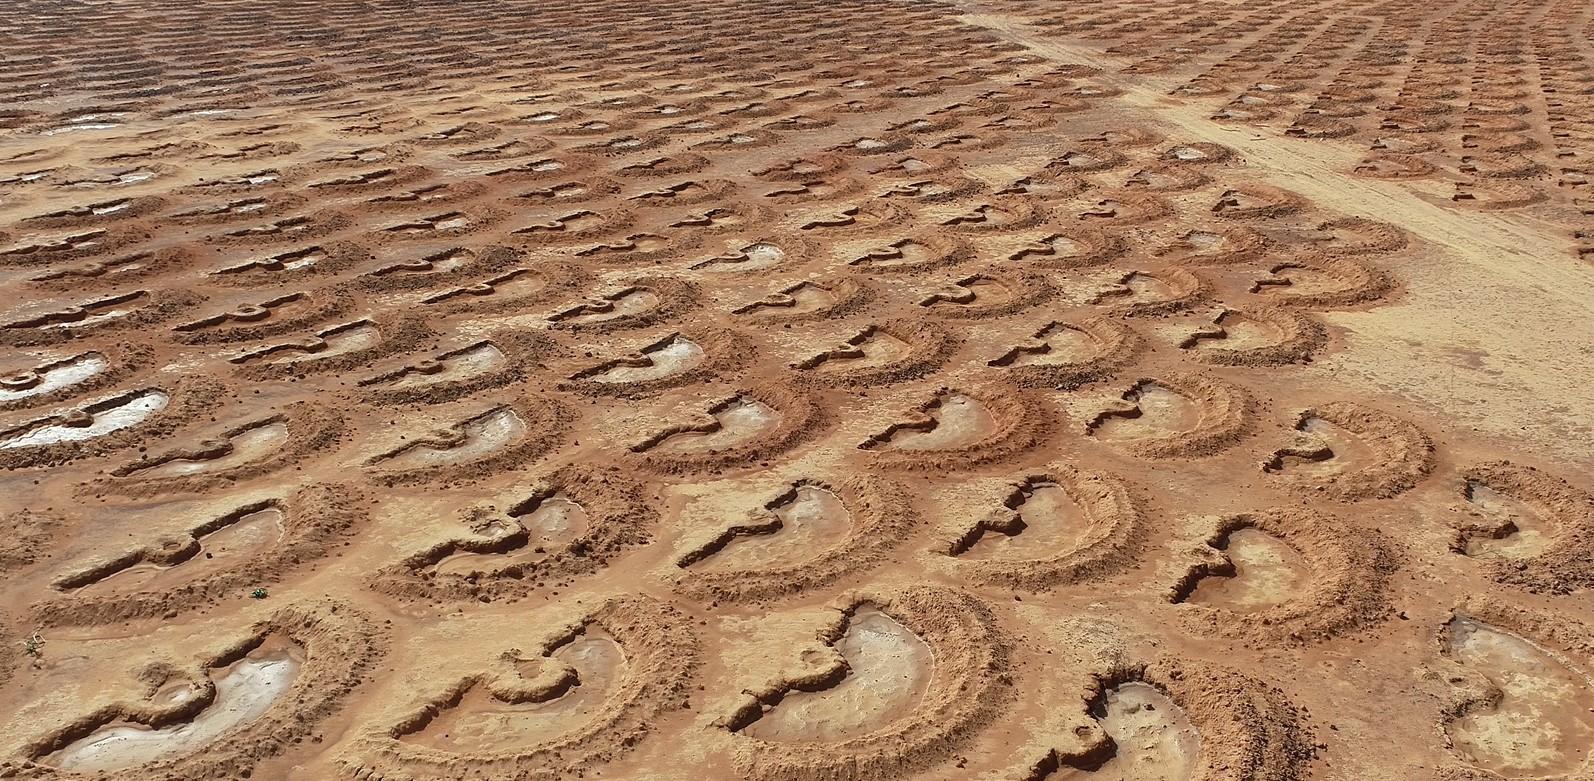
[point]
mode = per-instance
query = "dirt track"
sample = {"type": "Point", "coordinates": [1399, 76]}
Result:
{"type": "Point", "coordinates": [405, 391]}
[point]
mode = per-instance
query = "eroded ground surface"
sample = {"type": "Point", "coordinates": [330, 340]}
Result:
{"type": "Point", "coordinates": [1118, 390]}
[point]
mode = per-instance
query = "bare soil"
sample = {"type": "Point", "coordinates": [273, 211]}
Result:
{"type": "Point", "coordinates": [400, 391]}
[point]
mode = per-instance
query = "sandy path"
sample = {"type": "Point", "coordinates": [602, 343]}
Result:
{"type": "Point", "coordinates": [1487, 280]}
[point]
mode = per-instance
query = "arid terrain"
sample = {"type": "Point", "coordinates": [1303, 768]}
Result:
{"type": "Point", "coordinates": [1118, 390]}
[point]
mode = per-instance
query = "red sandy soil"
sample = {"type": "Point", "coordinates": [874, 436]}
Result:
{"type": "Point", "coordinates": [978, 390]}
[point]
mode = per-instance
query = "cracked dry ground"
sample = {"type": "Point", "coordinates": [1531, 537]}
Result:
{"type": "Point", "coordinates": [410, 390]}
